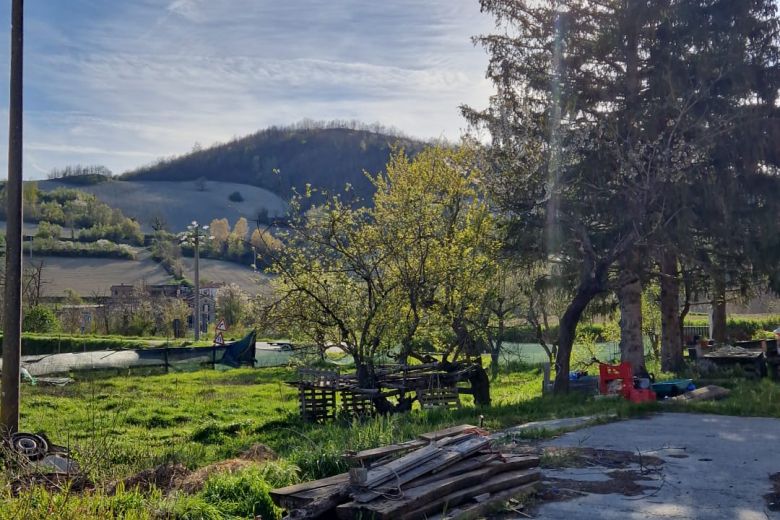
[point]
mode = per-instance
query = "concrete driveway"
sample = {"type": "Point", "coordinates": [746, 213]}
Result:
{"type": "Point", "coordinates": [685, 466]}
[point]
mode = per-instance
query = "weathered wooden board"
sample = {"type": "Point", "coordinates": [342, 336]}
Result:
{"type": "Point", "coordinates": [449, 432]}
{"type": "Point", "coordinates": [445, 458]}
{"type": "Point", "coordinates": [705, 393]}
{"type": "Point", "coordinates": [384, 451]}
{"type": "Point", "coordinates": [391, 470]}
{"type": "Point", "coordinates": [299, 495]}
{"type": "Point", "coordinates": [424, 439]}
{"type": "Point", "coordinates": [420, 501]}
{"type": "Point", "coordinates": [487, 504]}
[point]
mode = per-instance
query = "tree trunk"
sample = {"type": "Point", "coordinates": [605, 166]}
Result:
{"type": "Point", "coordinates": [687, 282]}
{"type": "Point", "coordinates": [480, 386]}
{"type": "Point", "coordinates": [671, 337]}
{"type": "Point", "coordinates": [632, 349]}
{"type": "Point", "coordinates": [718, 321]}
{"type": "Point", "coordinates": [566, 333]}
{"type": "Point", "coordinates": [495, 347]}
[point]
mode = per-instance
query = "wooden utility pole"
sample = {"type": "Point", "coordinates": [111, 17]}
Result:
{"type": "Point", "coordinates": [196, 320]}
{"type": "Point", "coordinates": [12, 323]}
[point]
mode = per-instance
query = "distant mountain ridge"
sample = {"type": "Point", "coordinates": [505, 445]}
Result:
{"type": "Point", "coordinates": [279, 159]}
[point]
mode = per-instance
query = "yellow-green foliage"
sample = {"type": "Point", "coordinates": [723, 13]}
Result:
{"type": "Point", "coordinates": [416, 265]}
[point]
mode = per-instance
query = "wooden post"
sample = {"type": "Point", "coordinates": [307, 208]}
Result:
{"type": "Point", "coordinates": [12, 336]}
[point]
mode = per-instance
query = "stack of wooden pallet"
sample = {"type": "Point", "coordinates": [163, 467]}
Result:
{"type": "Point", "coordinates": [449, 474]}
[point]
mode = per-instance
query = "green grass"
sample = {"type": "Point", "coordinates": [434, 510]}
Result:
{"type": "Point", "coordinates": [119, 425]}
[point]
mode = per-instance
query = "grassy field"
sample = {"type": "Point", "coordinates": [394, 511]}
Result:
{"type": "Point", "coordinates": [120, 425]}
{"type": "Point", "coordinates": [95, 276]}
{"type": "Point", "coordinates": [179, 203]}
{"type": "Point", "coordinates": [252, 282]}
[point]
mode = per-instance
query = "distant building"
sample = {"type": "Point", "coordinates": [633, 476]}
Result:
{"type": "Point", "coordinates": [210, 289]}
{"type": "Point", "coordinates": [208, 310]}
{"type": "Point", "coordinates": [122, 292]}
{"type": "Point", "coordinates": [169, 290]}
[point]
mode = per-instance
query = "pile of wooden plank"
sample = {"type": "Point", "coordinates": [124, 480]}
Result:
{"type": "Point", "coordinates": [449, 474]}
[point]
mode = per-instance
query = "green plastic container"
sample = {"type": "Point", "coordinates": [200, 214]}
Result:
{"type": "Point", "coordinates": [671, 388]}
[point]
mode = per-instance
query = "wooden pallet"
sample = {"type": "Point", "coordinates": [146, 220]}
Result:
{"type": "Point", "coordinates": [439, 397]}
{"type": "Point", "coordinates": [317, 394]}
{"type": "Point", "coordinates": [357, 404]}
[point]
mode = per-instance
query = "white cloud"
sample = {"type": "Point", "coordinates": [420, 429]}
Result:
{"type": "Point", "coordinates": [188, 9]}
{"type": "Point", "coordinates": [121, 84]}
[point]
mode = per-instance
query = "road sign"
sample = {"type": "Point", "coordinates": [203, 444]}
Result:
{"type": "Point", "coordinates": [219, 339]}
{"type": "Point", "coordinates": [221, 325]}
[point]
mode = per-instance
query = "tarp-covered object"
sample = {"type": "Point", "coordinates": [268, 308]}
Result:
{"type": "Point", "coordinates": [241, 352]}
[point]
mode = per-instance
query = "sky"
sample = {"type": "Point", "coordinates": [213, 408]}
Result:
{"type": "Point", "coordinates": [124, 82]}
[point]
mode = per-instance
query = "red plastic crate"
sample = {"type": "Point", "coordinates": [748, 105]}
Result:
{"type": "Point", "coordinates": [625, 374]}
{"type": "Point", "coordinates": [610, 373]}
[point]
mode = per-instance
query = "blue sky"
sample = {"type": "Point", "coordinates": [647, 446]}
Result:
{"type": "Point", "coordinates": [121, 82]}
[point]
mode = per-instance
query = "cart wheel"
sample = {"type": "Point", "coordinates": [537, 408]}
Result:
{"type": "Point", "coordinates": [32, 446]}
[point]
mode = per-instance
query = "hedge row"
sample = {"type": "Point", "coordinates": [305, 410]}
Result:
{"type": "Point", "coordinates": [738, 329]}
{"type": "Point", "coordinates": [100, 249]}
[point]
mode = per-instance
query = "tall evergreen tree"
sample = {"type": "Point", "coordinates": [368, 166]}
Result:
{"type": "Point", "coordinates": [581, 152]}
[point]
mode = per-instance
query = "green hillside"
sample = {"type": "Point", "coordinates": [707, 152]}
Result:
{"type": "Point", "coordinates": [279, 159]}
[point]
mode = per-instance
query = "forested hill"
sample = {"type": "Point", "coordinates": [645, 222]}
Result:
{"type": "Point", "coordinates": [279, 159]}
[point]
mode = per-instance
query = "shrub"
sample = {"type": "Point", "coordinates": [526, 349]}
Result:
{"type": "Point", "coordinates": [187, 507]}
{"type": "Point", "coordinates": [48, 230]}
{"type": "Point", "coordinates": [738, 328]}
{"type": "Point", "coordinates": [236, 197]}
{"type": "Point", "coordinates": [242, 494]}
{"type": "Point", "coordinates": [40, 319]}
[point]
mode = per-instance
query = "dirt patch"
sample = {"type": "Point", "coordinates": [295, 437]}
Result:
{"type": "Point", "coordinates": [259, 453]}
{"type": "Point", "coordinates": [169, 477]}
{"type": "Point", "coordinates": [164, 477]}
{"type": "Point", "coordinates": [626, 473]}
{"type": "Point", "coordinates": [773, 498]}
{"type": "Point", "coordinates": [622, 482]}
{"type": "Point", "coordinates": [195, 481]}
{"type": "Point", "coordinates": [256, 454]}
{"type": "Point", "coordinates": [553, 457]}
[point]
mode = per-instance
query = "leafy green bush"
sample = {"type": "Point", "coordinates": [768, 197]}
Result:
{"type": "Point", "coordinates": [242, 494]}
{"type": "Point", "coordinates": [280, 473]}
{"type": "Point", "coordinates": [128, 231]}
{"type": "Point", "coordinates": [48, 230]}
{"type": "Point", "coordinates": [236, 197]}
{"type": "Point", "coordinates": [40, 319]}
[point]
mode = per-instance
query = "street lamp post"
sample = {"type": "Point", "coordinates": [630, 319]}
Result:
{"type": "Point", "coordinates": [195, 232]}
{"type": "Point", "coordinates": [197, 284]}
